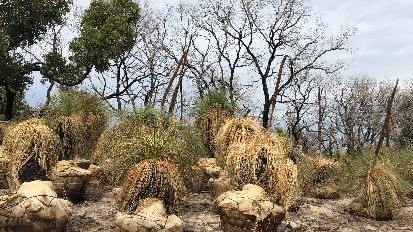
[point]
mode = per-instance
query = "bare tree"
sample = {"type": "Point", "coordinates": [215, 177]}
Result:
{"type": "Point", "coordinates": [271, 30]}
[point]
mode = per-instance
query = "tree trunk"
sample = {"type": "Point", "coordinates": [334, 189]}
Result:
{"type": "Point", "coordinates": [118, 79]}
{"type": "Point", "coordinates": [387, 120]}
{"type": "Point", "coordinates": [265, 114]}
{"type": "Point", "coordinates": [10, 97]}
{"type": "Point", "coordinates": [320, 120]}
{"type": "Point", "coordinates": [48, 99]}
{"type": "Point", "coordinates": [276, 90]}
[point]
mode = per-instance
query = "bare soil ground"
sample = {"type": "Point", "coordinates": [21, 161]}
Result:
{"type": "Point", "coordinates": [330, 215]}
{"type": "Point", "coordinates": [98, 210]}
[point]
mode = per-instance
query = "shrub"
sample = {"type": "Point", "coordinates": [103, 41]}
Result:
{"type": "Point", "coordinates": [264, 161]}
{"type": "Point", "coordinates": [33, 149]}
{"type": "Point", "coordinates": [236, 130]}
{"type": "Point", "coordinates": [131, 141]}
{"type": "Point", "coordinates": [152, 179]}
{"type": "Point", "coordinates": [215, 99]}
{"type": "Point", "coordinates": [382, 194]}
{"type": "Point", "coordinates": [78, 118]}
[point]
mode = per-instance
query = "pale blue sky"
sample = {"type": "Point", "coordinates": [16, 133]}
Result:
{"type": "Point", "coordinates": [383, 42]}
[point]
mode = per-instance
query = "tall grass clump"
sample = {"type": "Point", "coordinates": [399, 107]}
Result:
{"type": "Point", "coordinates": [211, 112]}
{"type": "Point", "coordinates": [33, 149]}
{"type": "Point", "coordinates": [150, 178]}
{"type": "Point", "coordinates": [402, 162]}
{"type": "Point", "coordinates": [78, 118]}
{"type": "Point", "coordinates": [236, 130]}
{"type": "Point", "coordinates": [215, 99]}
{"type": "Point", "coordinates": [263, 160]}
{"type": "Point", "coordinates": [150, 117]}
{"type": "Point", "coordinates": [382, 194]}
{"type": "Point", "coordinates": [5, 127]}
{"type": "Point", "coordinates": [134, 140]}
{"type": "Point", "coordinates": [354, 169]}
{"type": "Point", "coordinates": [319, 176]}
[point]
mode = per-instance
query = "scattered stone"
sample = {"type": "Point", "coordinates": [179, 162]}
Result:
{"type": "Point", "coordinates": [206, 168]}
{"type": "Point", "coordinates": [149, 216]}
{"type": "Point", "coordinates": [248, 210]}
{"type": "Point", "coordinates": [35, 207]}
{"type": "Point", "coordinates": [70, 180]}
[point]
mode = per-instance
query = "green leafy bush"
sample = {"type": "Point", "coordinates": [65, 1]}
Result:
{"type": "Point", "coordinates": [215, 99]}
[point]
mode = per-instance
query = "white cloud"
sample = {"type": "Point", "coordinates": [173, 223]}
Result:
{"type": "Point", "coordinates": [384, 38]}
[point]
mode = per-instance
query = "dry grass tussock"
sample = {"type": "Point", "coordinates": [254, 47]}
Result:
{"type": "Point", "coordinates": [264, 161]}
{"type": "Point", "coordinates": [5, 127]}
{"type": "Point", "coordinates": [4, 169]}
{"type": "Point", "coordinates": [382, 196]}
{"type": "Point", "coordinates": [116, 150]}
{"type": "Point", "coordinates": [113, 137]}
{"type": "Point", "coordinates": [210, 123]}
{"type": "Point", "coordinates": [130, 142]}
{"type": "Point", "coordinates": [236, 130]}
{"type": "Point", "coordinates": [33, 147]}
{"type": "Point", "coordinates": [78, 117]}
{"type": "Point", "coordinates": [152, 179]}
{"type": "Point", "coordinates": [318, 176]}
{"type": "Point", "coordinates": [78, 134]}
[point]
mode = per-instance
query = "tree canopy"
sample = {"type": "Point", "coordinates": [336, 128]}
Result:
{"type": "Point", "coordinates": [108, 31]}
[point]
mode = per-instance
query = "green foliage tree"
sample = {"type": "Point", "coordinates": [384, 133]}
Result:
{"type": "Point", "coordinates": [13, 79]}
{"type": "Point", "coordinates": [108, 30]}
{"type": "Point", "coordinates": [107, 34]}
{"type": "Point", "coordinates": [22, 24]}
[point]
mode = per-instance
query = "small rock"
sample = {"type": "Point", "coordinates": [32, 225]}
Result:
{"type": "Point", "coordinates": [205, 169]}
{"type": "Point", "coordinates": [35, 207]}
{"type": "Point", "coordinates": [70, 180]}
{"type": "Point", "coordinates": [150, 215]}
{"type": "Point", "coordinates": [248, 210]}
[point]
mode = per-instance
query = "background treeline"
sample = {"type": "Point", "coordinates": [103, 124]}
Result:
{"type": "Point", "coordinates": [272, 58]}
